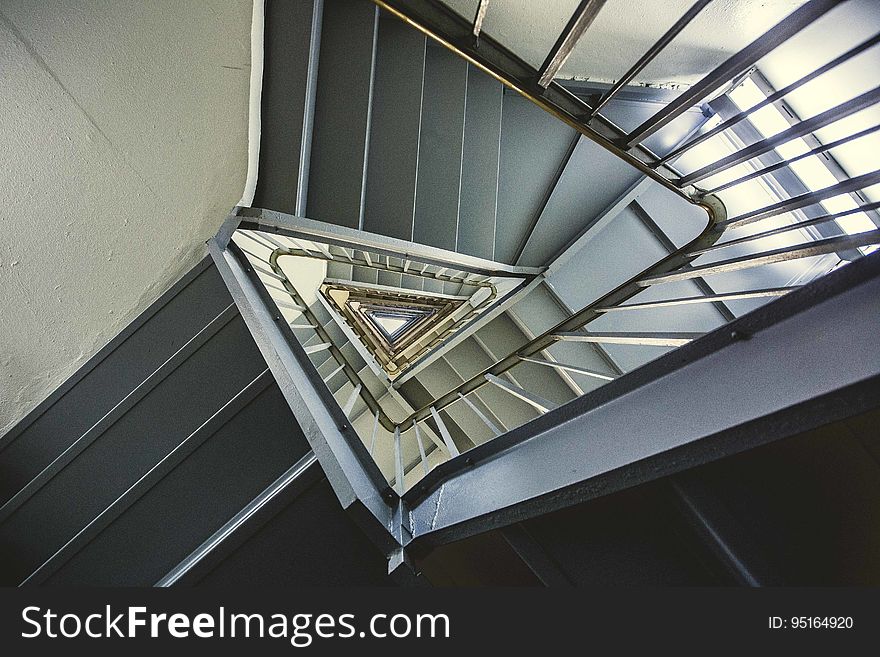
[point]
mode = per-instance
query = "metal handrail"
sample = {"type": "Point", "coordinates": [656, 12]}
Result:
{"type": "Point", "coordinates": [469, 41]}
{"type": "Point", "coordinates": [327, 343]}
{"type": "Point", "coordinates": [454, 33]}
{"type": "Point", "coordinates": [387, 266]}
{"type": "Point", "coordinates": [675, 266]}
{"type": "Point", "coordinates": [708, 236]}
{"type": "Point", "coordinates": [577, 320]}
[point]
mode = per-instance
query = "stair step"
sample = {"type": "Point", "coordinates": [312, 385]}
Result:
{"type": "Point", "coordinates": [320, 312]}
{"type": "Point", "coordinates": [538, 311]}
{"type": "Point", "coordinates": [533, 145]}
{"type": "Point", "coordinates": [365, 275]}
{"type": "Point", "coordinates": [335, 332]}
{"type": "Point", "coordinates": [591, 180]}
{"type": "Point", "coordinates": [327, 367]}
{"type": "Point", "coordinates": [501, 337]}
{"type": "Point", "coordinates": [374, 384]}
{"type": "Point", "coordinates": [339, 270]}
{"type": "Point", "coordinates": [389, 278]}
{"type": "Point", "coordinates": [433, 285]}
{"type": "Point", "coordinates": [410, 282]}
{"type": "Point", "coordinates": [469, 359]}
{"type": "Point", "coordinates": [352, 355]}
{"type": "Point", "coordinates": [417, 394]}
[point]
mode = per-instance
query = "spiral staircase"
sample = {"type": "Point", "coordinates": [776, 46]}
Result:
{"type": "Point", "coordinates": [485, 325]}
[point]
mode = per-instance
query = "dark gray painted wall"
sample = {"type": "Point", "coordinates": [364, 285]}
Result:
{"type": "Point", "coordinates": [288, 100]}
{"type": "Point", "coordinates": [799, 512]}
{"type": "Point", "coordinates": [342, 112]}
{"type": "Point", "coordinates": [194, 428]}
{"type": "Point", "coordinates": [394, 129]}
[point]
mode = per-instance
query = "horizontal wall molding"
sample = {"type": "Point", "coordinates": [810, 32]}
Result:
{"type": "Point", "coordinates": [220, 544]}
{"type": "Point", "coordinates": [118, 411]}
{"type": "Point", "coordinates": [152, 477]}
{"type": "Point", "coordinates": [139, 321]}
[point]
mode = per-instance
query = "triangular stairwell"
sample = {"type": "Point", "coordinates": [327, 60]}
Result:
{"type": "Point", "coordinates": [395, 325]}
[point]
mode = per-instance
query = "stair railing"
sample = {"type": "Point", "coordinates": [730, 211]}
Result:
{"type": "Point", "coordinates": [312, 324]}
{"type": "Point", "coordinates": [268, 267]}
{"type": "Point", "coordinates": [469, 40]}
{"type": "Point", "coordinates": [674, 267]}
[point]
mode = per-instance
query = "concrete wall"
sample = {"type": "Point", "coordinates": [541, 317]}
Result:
{"type": "Point", "coordinates": [124, 132]}
{"type": "Point", "coordinates": [154, 445]}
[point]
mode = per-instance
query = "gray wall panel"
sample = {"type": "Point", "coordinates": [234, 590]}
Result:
{"type": "Point", "coordinates": [286, 104]}
{"type": "Point", "coordinates": [194, 500]}
{"type": "Point", "coordinates": [394, 133]}
{"type": "Point", "coordinates": [342, 111]}
{"type": "Point", "coordinates": [310, 542]}
{"type": "Point", "coordinates": [128, 363]}
{"type": "Point", "coordinates": [482, 149]}
{"type": "Point", "coordinates": [440, 144]}
{"type": "Point", "coordinates": [161, 420]}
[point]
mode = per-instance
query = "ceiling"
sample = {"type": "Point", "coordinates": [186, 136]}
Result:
{"type": "Point", "coordinates": [624, 30]}
{"type": "Point", "coordinates": [124, 143]}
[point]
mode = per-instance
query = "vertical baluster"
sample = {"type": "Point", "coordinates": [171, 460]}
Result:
{"type": "Point", "coordinates": [421, 447]}
{"type": "Point", "coordinates": [398, 463]}
{"type": "Point", "coordinates": [444, 433]}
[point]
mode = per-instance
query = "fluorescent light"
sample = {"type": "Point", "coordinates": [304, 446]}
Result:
{"type": "Point", "coordinates": [746, 95]}
{"type": "Point", "coordinates": [812, 171]}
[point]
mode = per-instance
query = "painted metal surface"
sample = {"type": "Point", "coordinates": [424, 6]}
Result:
{"type": "Point", "coordinates": [395, 127]}
{"type": "Point", "coordinates": [355, 479]}
{"type": "Point", "coordinates": [297, 471]}
{"type": "Point", "coordinates": [633, 434]}
{"type": "Point", "coordinates": [453, 32]}
{"type": "Point", "coordinates": [439, 177]}
{"type": "Point", "coordinates": [292, 37]}
{"type": "Point", "coordinates": [736, 64]}
{"type": "Point", "coordinates": [578, 24]}
{"type": "Point", "coordinates": [270, 221]}
{"type": "Point", "coordinates": [340, 141]}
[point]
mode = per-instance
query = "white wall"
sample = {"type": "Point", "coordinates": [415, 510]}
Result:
{"type": "Point", "coordinates": [123, 143]}
{"type": "Point", "coordinates": [625, 29]}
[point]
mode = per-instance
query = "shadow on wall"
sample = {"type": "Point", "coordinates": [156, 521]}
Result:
{"type": "Point", "coordinates": [125, 144]}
